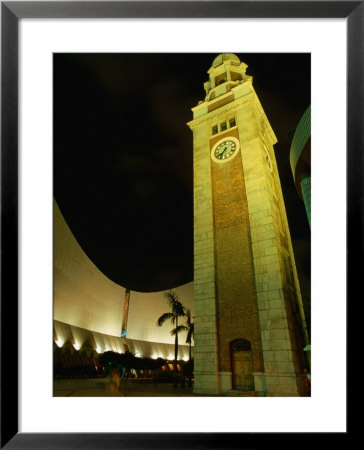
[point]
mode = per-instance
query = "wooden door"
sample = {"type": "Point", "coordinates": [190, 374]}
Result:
{"type": "Point", "coordinates": [242, 370]}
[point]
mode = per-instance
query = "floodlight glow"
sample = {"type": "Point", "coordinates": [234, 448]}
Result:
{"type": "Point", "coordinates": [185, 358]}
{"type": "Point", "coordinates": [137, 354]}
{"type": "Point", "coordinates": [98, 349]}
{"type": "Point", "coordinates": [76, 345]}
{"type": "Point", "coordinates": [59, 342]}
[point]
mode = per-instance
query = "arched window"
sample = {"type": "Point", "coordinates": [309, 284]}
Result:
{"type": "Point", "coordinates": [241, 344]}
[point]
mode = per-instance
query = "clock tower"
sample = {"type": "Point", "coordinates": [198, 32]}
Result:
{"type": "Point", "coordinates": [249, 323]}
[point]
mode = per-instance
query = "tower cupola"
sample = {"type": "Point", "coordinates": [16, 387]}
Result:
{"type": "Point", "coordinates": [226, 72]}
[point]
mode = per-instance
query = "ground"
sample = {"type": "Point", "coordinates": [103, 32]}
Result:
{"type": "Point", "coordinates": [100, 387]}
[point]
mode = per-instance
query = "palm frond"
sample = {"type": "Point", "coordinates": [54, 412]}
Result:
{"type": "Point", "coordinates": [188, 315]}
{"type": "Point", "coordinates": [171, 297]}
{"type": "Point", "coordinates": [190, 333]}
{"type": "Point", "coordinates": [175, 303]}
{"type": "Point", "coordinates": [190, 326]}
{"type": "Point", "coordinates": [178, 329]}
{"type": "Point", "coordinates": [164, 317]}
{"type": "Point", "coordinates": [178, 309]}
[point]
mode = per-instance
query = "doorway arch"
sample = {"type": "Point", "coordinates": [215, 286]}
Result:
{"type": "Point", "coordinates": [242, 365]}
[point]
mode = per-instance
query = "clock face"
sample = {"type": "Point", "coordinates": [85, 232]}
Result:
{"type": "Point", "coordinates": [225, 149]}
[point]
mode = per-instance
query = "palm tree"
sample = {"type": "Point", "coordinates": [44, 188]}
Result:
{"type": "Point", "coordinates": [190, 332]}
{"type": "Point", "coordinates": [177, 310]}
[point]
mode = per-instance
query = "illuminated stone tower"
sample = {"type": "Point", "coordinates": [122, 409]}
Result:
{"type": "Point", "coordinates": [249, 322]}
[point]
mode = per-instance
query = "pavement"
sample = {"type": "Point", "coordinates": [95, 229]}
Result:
{"type": "Point", "coordinates": [101, 387]}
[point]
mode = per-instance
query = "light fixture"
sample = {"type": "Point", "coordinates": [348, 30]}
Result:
{"type": "Point", "coordinates": [59, 342]}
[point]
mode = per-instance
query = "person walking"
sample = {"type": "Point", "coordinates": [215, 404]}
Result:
{"type": "Point", "coordinates": [115, 381]}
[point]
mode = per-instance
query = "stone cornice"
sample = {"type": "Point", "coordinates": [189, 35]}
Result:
{"type": "Point", "coordinates": [251, 97]}
{"type": "Point", "coordinates": [217, 112]}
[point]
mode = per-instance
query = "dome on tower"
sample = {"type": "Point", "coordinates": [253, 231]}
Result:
{"type": "Point", "coordinates": [224, 57]}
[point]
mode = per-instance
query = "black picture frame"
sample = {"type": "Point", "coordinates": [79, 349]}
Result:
{"type": "Point", "coordinates": [11, 12]}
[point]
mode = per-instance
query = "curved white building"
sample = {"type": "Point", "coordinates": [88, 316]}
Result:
{"type": "Point", "coordinates": [88, 306]}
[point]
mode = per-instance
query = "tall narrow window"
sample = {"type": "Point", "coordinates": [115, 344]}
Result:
{"type": "Point", "coordinates": [232, 122]}
{"type": "Point", "coordinates": [214, 129]}
{"type": "Point", "coordinates": [223, 125]}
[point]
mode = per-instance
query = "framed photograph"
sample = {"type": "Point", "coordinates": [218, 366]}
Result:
{"type": "Point", "coordinates": [301, 54]}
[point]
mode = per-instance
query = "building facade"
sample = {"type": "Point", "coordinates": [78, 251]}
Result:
{"type": "Point", "coordinates": [92, 313]}
{"type": "Point", "coordinates": [300, 159]}
{"type": "Point", "coordinates": [249, 321]}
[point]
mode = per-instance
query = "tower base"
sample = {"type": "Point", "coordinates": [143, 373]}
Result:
{"type": "Point", "coordinates": [265, 385]}
{"type": "Point", "coordinates": [206, 384]}
{"type": "Point", "coordinates": [279, 385]}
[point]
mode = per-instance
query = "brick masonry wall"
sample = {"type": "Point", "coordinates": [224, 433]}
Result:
{"type": "Point", "coordinates": [236, 302]}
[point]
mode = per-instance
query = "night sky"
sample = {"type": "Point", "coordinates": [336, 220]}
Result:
{"type": "Point", "coordinates": [123, 168]}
